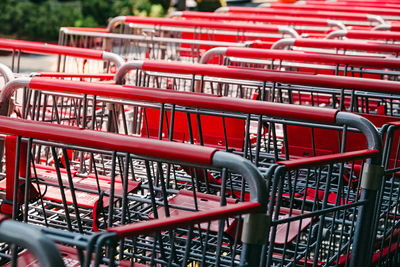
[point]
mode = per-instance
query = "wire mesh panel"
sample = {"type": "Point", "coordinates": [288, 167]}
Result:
{"type": "Point", "coordinates": [316, 206]}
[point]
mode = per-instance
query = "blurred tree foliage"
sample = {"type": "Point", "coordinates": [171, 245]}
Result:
{"type": "Point", "coordinates": [42, 19]}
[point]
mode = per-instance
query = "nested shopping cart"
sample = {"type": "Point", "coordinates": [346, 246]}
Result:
{"type": "Point", "coordinates": [211, 179]}
{"type": "Point", "coordinates": [288, 243]}
{"type": "Point", "coordinates": [303, 26]}
{"type": "Point", "coordinates": [170, 39]}
{"type": "Point", "coordinates": [381, 36]}
{"type": "Point", "coordinates": [379, 4]}
{"type": "Point", "coordinates": [385, 13]}
{"type": "Point", "coordinates": [348, 18]}
{"type": "Point", "coordinates": [142, 172]}
{"type": "Point", "coordinates": [65, 59]}
{"type": "Point", "coordinates": [378, 67]}
{"type": "Point", "coordinates": [367, 48]}
{"type": "Point", "coordinates": [308, 223]}
{"type": "Point", "coordinates": [268, 85]}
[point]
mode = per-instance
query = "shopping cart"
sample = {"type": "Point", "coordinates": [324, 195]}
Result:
{"type": "Point", "coordinates": [170, 39]}
{"type": "Point", "coordinates": [381, 11]}
{"type": "Point", "coordinates": [316, 217]}
{"type": "Point", "coordinates": [378, 4]}
{"type": "Point", "coordinates": [347, 18]}
{"type": "Point", "coordinates": [146, 183]}
{"type": "Point", "coordinates": [257, 130]}
{"type": "Point", "coordinates": [385, 13]}
{"type": "Point", "coordinates": [303, 26]}
{"type": "Point", "coordinates": [320, 228]}
{"type": "Point", "coordinates": [6, 74]}
{"type": "Point", "coordinates": [268, 85]}
{"type": "Point", "coordinates": [16, 237]}
{"type": "Point", "coordinates": [305, 62]}
{"type": "Point", "coordinates": [65, 59]}
{"type": "Point", "coordinates": [366, 48]}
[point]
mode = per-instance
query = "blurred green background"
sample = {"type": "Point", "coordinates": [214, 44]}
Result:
{"type": "Point", "coordinates": [40, 20]}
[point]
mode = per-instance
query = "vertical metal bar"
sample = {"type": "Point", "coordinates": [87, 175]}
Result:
{"type": "Point", "coordinates": [112, 186]}
{"type": "Point", "coordinates": [187, 247]}
{"type": "Point", "coordinates": [72, 189]}
{"type": "Point", "coordinates": [39, 190]}
{"type": "Point", "coordinates": [27, 181]}
{"type": "Point", "coordinates": [61, 186]}
{"type": "Point", "coordinates": [258, 143]}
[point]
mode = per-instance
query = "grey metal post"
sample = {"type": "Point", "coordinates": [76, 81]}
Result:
{"type": "Point", "coordinates": [361, 254]}
{"type": "Point", "coordinates": [256, 225]}
{"type": "Point", "coordinates": [36, 242]}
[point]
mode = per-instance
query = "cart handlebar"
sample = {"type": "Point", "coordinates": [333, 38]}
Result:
{"type": "Point", "coordinates": [45, 48]}
{"type": "Point", "coordinates": [191, 218]}
{"type": "Point", "coordinates": [254, 18]}
{"type": "Point", "coordinates": [329, 159]}
{"type": "Point", "coordinates": [329, 81]}
{"type": "Point", "coordinates": [303, 56]}
{"type": "Point", "coordinates": [204, 24]}
{"type": "Point", "coordinates": [354, 8]}
{"type": "Point", "coordinates": [358, 34]}
{"type": "Point", "coordinates": [73, 75]}
{"type": "Point", "coordinates": [303, 13]}
{"type": "Point", "coordinates": [6, 73]}
{"type": "Point", "coordinates": [108, 141]}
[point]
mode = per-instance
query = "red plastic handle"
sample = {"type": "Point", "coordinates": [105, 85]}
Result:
{"type": "Point", "coordinates": [45, 48]}
{"type": "Point", "coordinates": [354, 9]}
{"type": "Point", "coordinates": [75, 75]}
{"type": "Point", "coordinates": [108, 141]}
{"type": "Point", "coordinates": [297, 112]}
{"type": "Point", "coordinates": [382, 35]}
{"type": "Point", "coordinates": [358, 3]}
{"type": "Point", "coordinates": [314, 57]}
{"type": "Point", "coordinates": [329, 81]}
{"type": "Point", "coordinates": [192, 218]}
{"type": "Point", "coordinates": [300, 13]}
{"type": "Point", "coordinates": [284, 20]}
{"type": "Point", "coordinates": [87, 29]}
{"type": "Point", "coordinates": [351, 45]}
{"type": "Point", "coordinates": [329, 159]}
{"type": "Point", "coordinates": [394, 26]}
{"type": "Point", "coordinates": [201, 24]}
